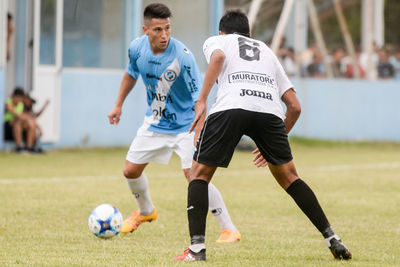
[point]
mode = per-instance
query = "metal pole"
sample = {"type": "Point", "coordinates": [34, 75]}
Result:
{"type": "Point", "coordinates": [318, 36]}
{"type": "Point", "coordinates": [379, 22]}
{"type": "Point", "coordinates": [347, 37]}
{"type": "Point", "coordinates": [300, 31]}
{"type": "Point", "coordinates": [370, 70]}
{"type": "Point", "coordinates": [280, 28]}
{"type": "Point", "coordinates": [253, 11]}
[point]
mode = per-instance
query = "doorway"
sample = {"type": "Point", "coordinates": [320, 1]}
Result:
{"type": "Point", "coordinates": [47, 63]}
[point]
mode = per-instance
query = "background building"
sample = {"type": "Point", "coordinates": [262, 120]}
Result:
{"type": "Point", "coordinates": [73, 52]}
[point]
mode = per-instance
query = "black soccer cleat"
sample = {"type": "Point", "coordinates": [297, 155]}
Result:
{"type": "Point", "coordinates": [339, 250]}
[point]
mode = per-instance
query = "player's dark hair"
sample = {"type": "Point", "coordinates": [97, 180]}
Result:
{"type": "Point", "coordinates": [235, 21]}
{"type": "Point", "coordinates": [157, 11]}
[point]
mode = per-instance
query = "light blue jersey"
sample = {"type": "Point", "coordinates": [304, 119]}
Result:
{"type": "Point", "coordinates": [173, 82]}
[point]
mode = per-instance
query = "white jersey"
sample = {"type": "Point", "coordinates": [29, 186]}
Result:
{"type": "Point", "coordinates": [251, 78]}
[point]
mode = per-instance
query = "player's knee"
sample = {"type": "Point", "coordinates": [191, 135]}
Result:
{"type": "Point", "coordinates": [131, 173]}
{"type": "Point", "coordinates": [200, 174]}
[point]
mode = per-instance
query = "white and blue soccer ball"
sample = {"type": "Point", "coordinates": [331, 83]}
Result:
{"type": "Point", "coordinates": [105, 221]}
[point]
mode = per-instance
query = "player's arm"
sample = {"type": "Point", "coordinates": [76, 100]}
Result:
{"type": "Point", "coordinates": [293, 108]}
{"type": "Point", "coordinates": [199, 126]}
{"type": "Point", "coordinates": [127, 83]}
{"type": "Point", "coordinates": [292, 114]}
{"type": "Point", "coordinates": [213, 70]}
{"type": "Point", "coordinates": [42, 109]}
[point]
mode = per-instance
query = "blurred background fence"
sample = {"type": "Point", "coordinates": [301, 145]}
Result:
{"type": "Point", "coordinates": [73, 53]}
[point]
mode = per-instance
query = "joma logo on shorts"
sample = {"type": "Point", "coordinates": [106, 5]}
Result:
{"type": "Point", "coordinates": [248, 92]}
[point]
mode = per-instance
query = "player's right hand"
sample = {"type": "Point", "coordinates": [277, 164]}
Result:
{"type": "Point", "coordinates": [114, 115]}
{"type": "Point", "coordinates": [199, 110]}
{"type": "Point", "coordinates": [259, 160]}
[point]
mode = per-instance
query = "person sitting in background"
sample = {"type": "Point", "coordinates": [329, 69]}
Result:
{"type": "Point", "coordinates": [17, 122]}
{"type": "Point", "coordinates": [306, 57]}
{"type": "Point", "coordinates": [317, 68]}
{"type": "Point", "coordinates": [337, 62]}
{"type": "Point", "coordinates": [395, 61]}
{"type": "Point", "coordinates": [28, 109]}
{"type": "Point", "coordinates": [350, 67]}
{"type": "Point", "coordinates": [369, 61]}
{"type": "Point", "coordinates": [385, 69]}
{"type": "Point", "coordinates": [10, 31]}
{"type": "Point", "coordinates": [288, 62]}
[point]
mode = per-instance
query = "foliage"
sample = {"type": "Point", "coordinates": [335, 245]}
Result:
{"type": "Point", "coordinates": [392, 20]}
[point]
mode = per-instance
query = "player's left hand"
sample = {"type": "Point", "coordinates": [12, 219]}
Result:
{"type": "Point", "coordinates": [199, 109]}
{"type": "Point", "coordinates": [259, 160]}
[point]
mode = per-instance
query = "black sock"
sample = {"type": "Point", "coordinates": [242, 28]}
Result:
{"type": "Point", "coordinates": [197, 210]}
{"type": "Point", "coordinates": [308, 203]}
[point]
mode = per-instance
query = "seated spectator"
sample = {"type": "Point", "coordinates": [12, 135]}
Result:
{"type": "Point", "coordinates": [288, 62]}
{"type": "Point", "coordinates": [350, 66]}
{"type": "Point", "coordinates": [337, 62]}
{"type": "Point", "coordinates": [317, 68]}
{"type": "Point", "coordinates": [395, 61]}
{"type": "Point", "coordinates": [28, 109]}
{"type": "Point", "coordinates": [18, 123]}
{"type": "Point", "coordinates": [385, 69]}
{"type": "Point", "coordinates": [305, 58]}
{"type": "Point", "coordinates": [369, 61]}
{"type": "Point", "coordinates": [10, 31]}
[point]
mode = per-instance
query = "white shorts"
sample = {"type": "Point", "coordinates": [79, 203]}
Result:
{"type": "Point", "coordinates": [151, 146]}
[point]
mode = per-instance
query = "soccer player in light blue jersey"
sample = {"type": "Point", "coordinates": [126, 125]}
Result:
{"type": "Point", "coordinates": [173, 81]}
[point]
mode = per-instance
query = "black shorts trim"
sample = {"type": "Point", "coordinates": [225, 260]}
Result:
{"type": "Point", "coordinates": [223, 130]}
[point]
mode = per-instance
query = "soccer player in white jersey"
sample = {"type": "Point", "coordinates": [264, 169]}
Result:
{"type": "Point", "coordinates": [251, 83]}
{"type": "Point", "coordinates": [173, 83]}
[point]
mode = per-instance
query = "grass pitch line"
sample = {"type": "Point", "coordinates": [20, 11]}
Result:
{"type": "Point", "coordinates": [224, 172]}
{"type": "Point", "coordinates": [56, 179]}
{"type": "Point", "coordinates": [364, 166]}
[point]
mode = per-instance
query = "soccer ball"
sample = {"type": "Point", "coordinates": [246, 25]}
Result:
{"type": "Point", "coordinates": [105, 221]}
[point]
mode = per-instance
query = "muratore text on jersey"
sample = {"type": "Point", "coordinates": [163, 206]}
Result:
{"type": "Point", "coordinates": [251, 77]}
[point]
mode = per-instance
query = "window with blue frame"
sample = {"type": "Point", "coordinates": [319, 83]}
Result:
{"type": "Point", "coordinates": [47, 32]}
{"type": "Point", "coordinates": [94, 34]}
{"type": "Point", "coordinates": [190, 23]}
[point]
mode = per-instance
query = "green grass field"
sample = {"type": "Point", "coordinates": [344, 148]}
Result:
{"type": "Point", "coordinates": [45, 201]}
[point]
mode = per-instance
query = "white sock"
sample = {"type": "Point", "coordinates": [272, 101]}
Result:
{"type": "Point", "coordinates": [197, 247]}
{"type": "Point", "coordinates": [217, 207]}
{"type": "Point", "coordinates": [140, 190]}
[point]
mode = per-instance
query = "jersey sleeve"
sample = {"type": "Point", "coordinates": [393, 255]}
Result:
{"type": "Point", "coordinates": [133, 54]}
{"type": "Point", "coordinates": [210, 45]}
{"type": "Point", "coordinates": [191, 74]}
{"type": "Point", "coordinates": [282, 79]}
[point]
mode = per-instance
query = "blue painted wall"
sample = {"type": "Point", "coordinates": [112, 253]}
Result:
{"type": "Point", "coordinates": [348, 110]}
{"type": "Point", "coordinates": [86, 99]}
{"type": "Point", "coordinates": [331, 109]}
